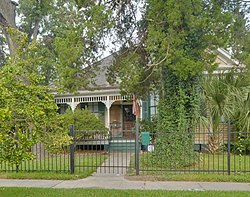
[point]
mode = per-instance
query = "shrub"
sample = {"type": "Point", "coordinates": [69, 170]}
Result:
{"type": "Point", "coordinates": [83, 120]}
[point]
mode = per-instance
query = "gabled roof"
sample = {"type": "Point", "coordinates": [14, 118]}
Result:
{"type": "Point", "coordinates": [100, 79]}
{"type": "Point", "coordinates": [225, 60]}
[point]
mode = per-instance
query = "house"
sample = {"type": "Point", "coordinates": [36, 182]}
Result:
{"type": "Point", "coordinates": [105, 101]}
{"type": "Point", "coordinates": [115, 109]}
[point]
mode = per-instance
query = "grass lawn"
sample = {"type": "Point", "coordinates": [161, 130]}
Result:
{"type": "Point", "coordinates": [42, 175]}
{"type": "Point", "coordinates": [207, 167]}
{"type": "Point", "coordinates": [39, 192]}
{"type": "Point", "coordinates": [86, 165]}
{"type": "Point", "coordinates": [54, 167]}
{"type": "Point", "coordinates": [191, 177]}
{"type": "Point", "coordinates": [213, 163]}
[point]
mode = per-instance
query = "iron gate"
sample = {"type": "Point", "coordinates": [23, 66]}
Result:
{"type": "Point", "coordinates": [226, 151]}
{"type": "Point", "coordinates": [102, 152]}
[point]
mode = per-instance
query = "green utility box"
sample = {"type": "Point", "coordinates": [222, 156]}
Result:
{"type": "Point", "coordinates": [145, 140]}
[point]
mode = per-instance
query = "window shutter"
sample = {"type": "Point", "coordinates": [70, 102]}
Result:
{"type": "Point", "coordinates": [101, 107]}
{"type": "Point", "coordinates": [145, 111]}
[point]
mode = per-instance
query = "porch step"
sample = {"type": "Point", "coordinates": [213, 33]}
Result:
{"type": "Point", "coordinates": [122, 146]}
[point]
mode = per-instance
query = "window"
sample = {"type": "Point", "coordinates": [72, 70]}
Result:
{"type": "Point", "coordinates": [62, 108]}
{"type": "Point", "coordinates": [154, 99]}
{"type": "Point", "coordinates": [98, 109]}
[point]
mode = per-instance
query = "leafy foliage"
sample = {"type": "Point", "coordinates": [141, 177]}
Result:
{"type": "Point", "coordinates": [69, 35]}
{"type": "Point", "coordinates": [83, 120]}
{"type": "Point", "coordinates": [56, 138]}
{"type": "Point", "coordinates": [173, 48]}
{"type": "Point", "coordinates": [15, 145]}
{"type": "Point", "coordinates": [182, 33]}
{"type": "Point", "coordinates": [226, 97]}
{"type": "Point", "coordinates": [26, 107]}
{"type": "Point", "coordinates": [149, 124]}
{"type": "Point", "coordinates": [175, 150]}
{"type": "Point", "coordinates": [75, 38]}
{"type": "Point", "coordinates": [59, 40]}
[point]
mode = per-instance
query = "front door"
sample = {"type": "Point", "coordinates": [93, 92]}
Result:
{"type": "Point", "coordinates": [115, 118]}
{"type": "Point", "coordinates": [128, 118]}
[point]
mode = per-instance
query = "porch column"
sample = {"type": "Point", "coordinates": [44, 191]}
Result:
{"type": "Point", "coordinates": [73, 104]}
{"type": "Point", "coordinates": [108, 104]}
{"type": "Point", "coordinates": [108, 111]}
{"type": "Point", "coordinates": [140, 108]}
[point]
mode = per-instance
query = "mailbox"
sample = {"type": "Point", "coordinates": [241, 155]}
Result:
{"type": "Point", "coordinates": [145, 140]}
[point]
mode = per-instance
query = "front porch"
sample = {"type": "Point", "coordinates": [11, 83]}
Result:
{"type": "Point", "coordinates": [114, 109]}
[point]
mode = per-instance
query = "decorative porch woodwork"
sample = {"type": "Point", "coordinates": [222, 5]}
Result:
{"type": "Point", "coordinates": [107, 100]}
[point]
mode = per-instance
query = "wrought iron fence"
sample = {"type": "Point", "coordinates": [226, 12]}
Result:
{"type": "Point", "coordinates": [43, 161]}
{"type": "Point", "coordinates": [226, 151]}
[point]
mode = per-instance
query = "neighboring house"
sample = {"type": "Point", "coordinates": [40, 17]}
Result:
{"type": "Point", "coordinates": [115, 109]}
{"type": "Point", "coordinates": [225, 61]}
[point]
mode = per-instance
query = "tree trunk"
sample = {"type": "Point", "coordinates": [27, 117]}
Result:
{"type": "Point", "coordinates": [7, 20]}
{"type": "Point", "coordinates": [8, 11]}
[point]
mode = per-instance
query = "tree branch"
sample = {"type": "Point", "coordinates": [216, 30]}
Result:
{"type": "Point", "coordinates": [154, 65]}
{"type": "Point", "coordinates": [36, 29]}
{"type": "Point", "coordinates": [158, 63]}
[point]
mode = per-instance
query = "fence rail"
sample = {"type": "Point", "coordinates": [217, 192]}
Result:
{"type": "Point", "coordinates": [226, 151]}
{"type": "Point", "coordinates": [221, 152]}
{"type": "Point", "coordinates": [43, 162]}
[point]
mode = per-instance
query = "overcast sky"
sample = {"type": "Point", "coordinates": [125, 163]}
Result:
{"type": "Point", "coordinates": [108, 40]}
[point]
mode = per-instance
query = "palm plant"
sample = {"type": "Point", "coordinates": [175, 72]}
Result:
{"type": "Point", "coordinates": [226, 96]}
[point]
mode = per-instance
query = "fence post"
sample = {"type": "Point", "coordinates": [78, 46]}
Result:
{"type": "Point", "coordinates": [17, 165]}
{"type": "Point", "coordinates": [137, 150]}
{"type": "Point", "coordinates": [228, 148]}
{"type": "Point", "coordinates": [72, 151]}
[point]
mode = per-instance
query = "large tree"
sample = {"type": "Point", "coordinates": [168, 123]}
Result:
{"type": "Point", "coordinates": [7, 20]}
{"type": "Point", "coordinates": [53, 45]}
{"type": "Point", "coordinates": [70, 35]}
{"type": "Point", "coordinates": [27, 109]}
{"type": "Point", "coordinates": [176, 43]}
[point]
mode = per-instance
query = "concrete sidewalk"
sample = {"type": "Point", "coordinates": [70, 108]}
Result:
{"type": "Point", "coordinates": [112, 181]}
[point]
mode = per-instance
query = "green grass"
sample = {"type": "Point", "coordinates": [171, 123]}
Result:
{"type": "Point", "coordinates": [88, 163]}
{"type": "Point", "coordinates": [42, 175]}
{"type": "Point", "coordinates": [191, 177]}
{"type": "Point", "coordinates": [54, 167]}
{"type": "Point", "coordinates": [39, 192]}
{"type": "Point", "coordinates": [213, 163]}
